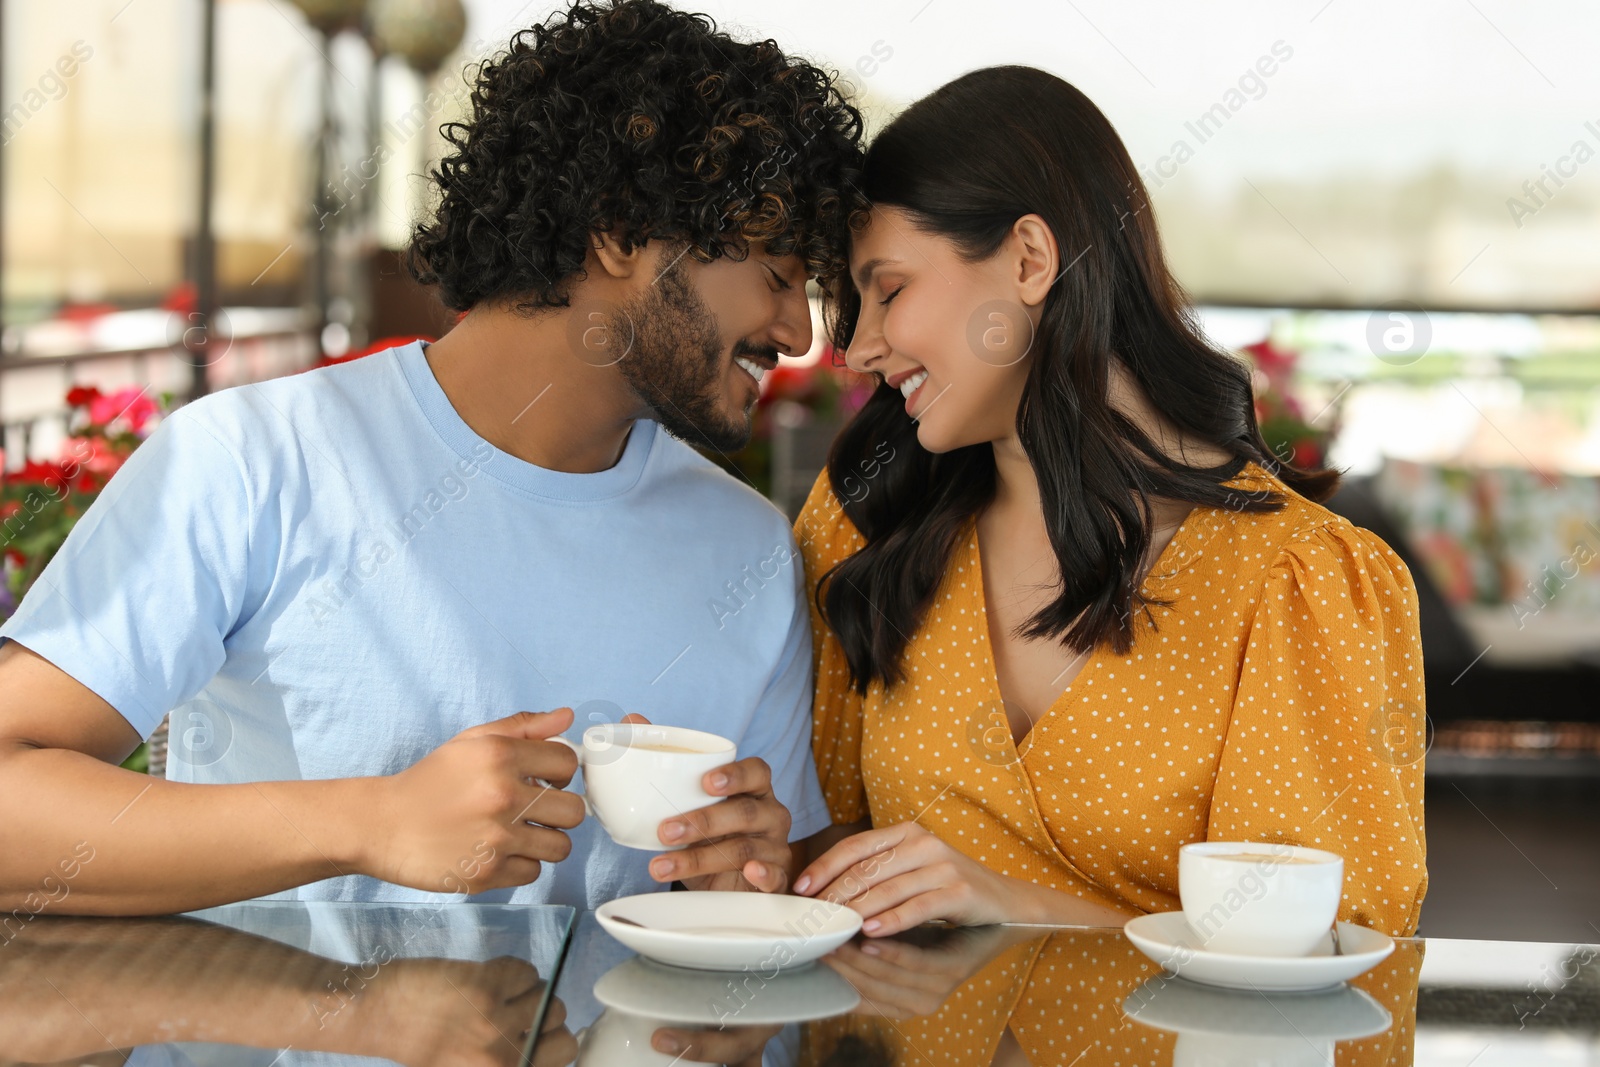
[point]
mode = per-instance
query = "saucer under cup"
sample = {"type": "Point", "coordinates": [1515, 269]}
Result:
{"type": "Point", "coordinates": [1259, 899]}
{"type": "Point", "coordinates": [1168, 940]}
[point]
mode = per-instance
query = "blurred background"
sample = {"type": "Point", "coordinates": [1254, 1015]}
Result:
{"type": "Point", "coordinates": [1392, 210]}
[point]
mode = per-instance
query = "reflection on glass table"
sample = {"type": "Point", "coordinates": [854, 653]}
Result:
{"type": "Point", "coordinates": [280, 983]}
{"type": "Point", "coordinates": [1008, 995]}
{"type": "Point", "coordinates": [285, 982]}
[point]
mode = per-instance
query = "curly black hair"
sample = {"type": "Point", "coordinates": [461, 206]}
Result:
{"type": "Point", "coordinates": [632, 118]}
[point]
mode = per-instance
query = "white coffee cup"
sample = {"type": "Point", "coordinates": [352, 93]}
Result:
{"type": "Point", "coordinates": [636, 775]}
{"type": "Point", "coordinates": [1231, 1050]}
{"type": "Point", "coordinates": [1259, 899]}
{"type": "Point", "coordinates": [622, 1039]}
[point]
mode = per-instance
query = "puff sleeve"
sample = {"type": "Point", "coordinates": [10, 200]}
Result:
{"type": "Point", "coordinates": [1325, 744]}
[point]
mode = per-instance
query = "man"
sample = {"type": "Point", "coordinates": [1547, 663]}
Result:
{"type": "Point", "coordinates": [348, 586]}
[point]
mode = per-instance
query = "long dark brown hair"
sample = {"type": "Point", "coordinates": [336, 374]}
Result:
{"type": "Point", "coordinates": [965, 163]}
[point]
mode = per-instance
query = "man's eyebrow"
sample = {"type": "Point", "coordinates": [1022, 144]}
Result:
{"type": "Point", "coordinates": [870, 267]}
{"type": "Point", "coordinates": [784, 275]}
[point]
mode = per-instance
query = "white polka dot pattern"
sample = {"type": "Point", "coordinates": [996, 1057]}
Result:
{"type": "Point", "coordinates": [1242, 712]}
{"type": "Point", "coordinates": [1063, 997]}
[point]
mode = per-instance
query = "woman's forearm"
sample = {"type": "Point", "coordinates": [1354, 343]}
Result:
{"type": "Point", "coordinates": [1040, 905]}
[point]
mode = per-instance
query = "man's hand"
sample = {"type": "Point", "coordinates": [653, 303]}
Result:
{"type": "Point", "coordinates": [450, 1013]}
{"type": "Point", "coordinates": [736, 1046]}
{"type": "Point", "coordinates": [470, 816]}
{"type": "Point", "coordinates": [738, 843]}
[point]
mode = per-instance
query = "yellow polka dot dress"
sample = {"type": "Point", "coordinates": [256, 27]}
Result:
{"type": "Point", "coordinates": [1067, 998]}
{"type": "Point", "coordinates": [1277, 697]}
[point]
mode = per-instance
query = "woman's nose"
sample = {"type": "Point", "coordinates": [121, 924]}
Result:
{"type": "Point", "coordinates": [866, 351]}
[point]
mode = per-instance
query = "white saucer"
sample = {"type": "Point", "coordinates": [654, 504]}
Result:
{"type": "Point", "coordinates": [759, 932]}
{"type": "Point", "coordinates": [700, 998]}
{"type": "Point", "coordinates": [1342, 1013]}
{"type": "Point", "coordinates": [1167, 938]}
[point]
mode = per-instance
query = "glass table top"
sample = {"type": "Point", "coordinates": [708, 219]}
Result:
{"type": "Point", "coordinates": [274, 983]}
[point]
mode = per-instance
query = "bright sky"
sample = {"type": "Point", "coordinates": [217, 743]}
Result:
{"type": "Point", "coordinates": [1372, 84]}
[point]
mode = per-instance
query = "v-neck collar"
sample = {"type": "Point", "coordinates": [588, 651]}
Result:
{"type": "Point", "coordinates": [1173, 559]}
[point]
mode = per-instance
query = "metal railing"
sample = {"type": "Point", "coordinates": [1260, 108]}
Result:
{"type": "Point", "coordinates": [34, 418]}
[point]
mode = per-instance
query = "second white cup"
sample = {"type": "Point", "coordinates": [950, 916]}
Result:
{"type": "Point", "coordinates": [1259, 899]}
{"type": "Point", "coordinates": [636, 775]}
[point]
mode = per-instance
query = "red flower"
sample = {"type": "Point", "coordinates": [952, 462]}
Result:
{"type": "Point", "coordinates": [182, 298]}
{"type": "Point", "coordinates": [16, 557]}
{"type": "Point", "coordinates": [1270, 358]}
{"type": "Point", "coordinates": [1307, 455]}
{"type": "Point", "coordinates": [379, 345]}
{"type": "Point", "coordinates": [85, 312]}
{"type": "Point", "coordinates": [785, 382]}
{"type": "Point", "coordinates": [35, 473]}
{"type": "Point", "coordinates": [82, 395]}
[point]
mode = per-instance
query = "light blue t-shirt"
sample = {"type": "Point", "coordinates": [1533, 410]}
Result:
{"type": "Point", "coordinates": [329, 575]}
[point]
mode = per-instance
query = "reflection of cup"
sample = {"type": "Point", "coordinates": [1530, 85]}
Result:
{"type": "Point", "coordinates": [637, 775]}
{"type": "Point", "coordinates": [1215, 1050]}
{"type": "Point", "coordinates": [621, 1039]}
{"type": "Point", "coordinates": [724, 999]}
{"type": "Point", "coordinates": [1225, 1028]}
{"type": "Point", "coordinates": [1258, 899]}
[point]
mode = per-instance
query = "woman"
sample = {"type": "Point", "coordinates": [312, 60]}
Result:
{"type": "Point", "coordinates": [1070, 613]}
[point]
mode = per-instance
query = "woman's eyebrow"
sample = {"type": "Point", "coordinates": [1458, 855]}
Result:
{"type": "Point", "coordinates": [869, 268]}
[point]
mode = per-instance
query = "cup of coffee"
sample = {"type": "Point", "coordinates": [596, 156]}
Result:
{"type": "Point", "coordinates": [1258, 899]}
{"type": "Point", "coordinates": [622, 1038]}
{"type": "Point", "coordinates": [636, 775]}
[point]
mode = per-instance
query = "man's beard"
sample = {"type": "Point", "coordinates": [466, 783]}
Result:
{"type": "Point", "coordinates": [676, 364]}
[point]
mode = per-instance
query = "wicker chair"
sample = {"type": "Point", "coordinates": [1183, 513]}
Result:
{"type": "Point", "coordinates": [158, 748]}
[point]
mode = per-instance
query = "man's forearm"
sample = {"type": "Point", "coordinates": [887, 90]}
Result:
{"type": "Point", "coordinates": [170, 980]}
{"type": "Point", "coordinates": [84, 837]}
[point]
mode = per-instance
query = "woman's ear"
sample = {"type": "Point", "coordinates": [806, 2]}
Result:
{"type": "Point", "coordinates": [1038, 260]}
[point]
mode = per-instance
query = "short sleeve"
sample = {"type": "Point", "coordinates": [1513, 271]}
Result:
{"type": "Point", "coordinates": [138, 602]}
{"type": "Point", "coordinates": [826, 536]}
{"type": "Point", "coordinates": [1326, 740]}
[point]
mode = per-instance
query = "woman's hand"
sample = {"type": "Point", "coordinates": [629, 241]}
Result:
{"type": "Point", "coordinates": [900, 979]}
{"type": "Point", "coordinates": [902, 876]}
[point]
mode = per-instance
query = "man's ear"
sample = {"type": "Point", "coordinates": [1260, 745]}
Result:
{"type": "Point", "coordinates": [616, 262]}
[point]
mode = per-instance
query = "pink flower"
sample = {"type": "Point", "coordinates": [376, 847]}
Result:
{"type": "Point", "coordinates": [131, 404]}
{"type": "Point", "coordinates": [92, 455]}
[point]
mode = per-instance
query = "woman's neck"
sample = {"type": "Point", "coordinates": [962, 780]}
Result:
{"type": "Point", "coordinates": [1017, 486]}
